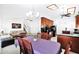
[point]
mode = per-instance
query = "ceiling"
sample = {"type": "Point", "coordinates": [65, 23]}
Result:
{"type": "Point", "coordinates": [20, 10]}
{"type": "Point", "coordinates": [39, 1]}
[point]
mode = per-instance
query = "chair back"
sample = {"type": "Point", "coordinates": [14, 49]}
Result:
{"type": "Point", "coordinates": [21, 46]}
{"type": "Point", "coordinates": [45, 36]}
{"type": "Point", "coordinates": [27, 46]}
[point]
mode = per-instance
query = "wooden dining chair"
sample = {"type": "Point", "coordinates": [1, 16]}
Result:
{"type": "Point", "coordinates": [45, 36]}
{"type": "Point", "coordinates": [21, 46]}
{"type": "Point", "coordinates": [27, 46]}
{"type": "Point", "coordinates": [68, 48]}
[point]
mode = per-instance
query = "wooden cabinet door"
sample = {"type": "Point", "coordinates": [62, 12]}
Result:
{"type": "Point", "coordinates": [46, 22]}
{"type": "Point", "coordinates": [67, 40]}
{"type": "Point", "coordinates": [77, 21]}
{"type": "Point", "coordinates": [63, 40]}
{"type": "Point", "coordinates": [75, 44]}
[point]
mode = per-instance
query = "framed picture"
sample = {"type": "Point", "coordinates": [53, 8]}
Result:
{"type": "Point", "coordinates": [16, 25]}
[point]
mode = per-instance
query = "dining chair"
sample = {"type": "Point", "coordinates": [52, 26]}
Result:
{"type": "Point", "coordinates": [21, 46]}
{"type": "Point", "coordinates": [45, 36]}
{"type": "Point", "coordinates": [27, 46]}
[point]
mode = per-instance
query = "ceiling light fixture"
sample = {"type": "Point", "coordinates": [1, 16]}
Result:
{"type": "Point", "coordinates": [31, 15]}
{"type": "Point", "coordinates": [52, 7]}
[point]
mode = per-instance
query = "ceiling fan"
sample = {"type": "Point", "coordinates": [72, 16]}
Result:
{"type": "Point", "coordinates": [66, 15]}
{"type": "Point", "coordinates": [70, 11]}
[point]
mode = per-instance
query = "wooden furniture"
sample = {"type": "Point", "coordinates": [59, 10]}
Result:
{"type": "Point", "coordinates": [45, 36]}
{"type": "Point", "coordinates": [47, 28]}
{"type": "Point", "coordinates": [21, 46]}
{"type": "Point", "coordinates": [39, 35]}
{"type": "Point", "coordinates": [77, 21]}
{"type": "Point", "coordinates": [69, 41]}
{"type": "Point", "coordinates": [46, 22]}
{"type": "Point", "coordinates": [27, 46]}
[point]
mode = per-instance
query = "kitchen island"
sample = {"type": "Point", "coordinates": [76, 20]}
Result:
{"type": "Point", "coordinates": [69, 41]}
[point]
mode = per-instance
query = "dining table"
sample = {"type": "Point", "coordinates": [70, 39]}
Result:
{"type": "Point", "coordinates": [42, 46]}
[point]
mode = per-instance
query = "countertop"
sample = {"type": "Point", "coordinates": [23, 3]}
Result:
{"type": "Point", "coordinates": [72, 35]}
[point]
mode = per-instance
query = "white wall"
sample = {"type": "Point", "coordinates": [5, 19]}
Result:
{"type": "Point", "coordinates": [17, 14]}
{"type": "Point", "coordinates": [68, 23]}
{"type": "Point", "coordinates": [11, 12]}
{"type": "Point", "coordinates": [0, 24]}
{"type": "Point", "coordinates": [0, 16]}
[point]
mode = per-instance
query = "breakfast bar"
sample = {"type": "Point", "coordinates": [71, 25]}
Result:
{"type": "Point", "coordinates": [71, 40]}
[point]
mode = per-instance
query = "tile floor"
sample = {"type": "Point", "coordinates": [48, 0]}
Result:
{"type": "Point", "coordinates": [10, 50]}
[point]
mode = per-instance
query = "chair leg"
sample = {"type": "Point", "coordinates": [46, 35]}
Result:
{"type": "Point", "coordinates": [20, 51]}
{"type": "Point", "coordinates": [67, 49]}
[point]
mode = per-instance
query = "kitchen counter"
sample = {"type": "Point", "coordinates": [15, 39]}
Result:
{"type": "Point", "coordinates": [67, 40]}
{"type": "Point", "coordinates": [71, 35]}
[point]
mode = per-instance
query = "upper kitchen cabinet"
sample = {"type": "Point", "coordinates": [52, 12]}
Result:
{"type": "Point", "coordinates": [46, 22]}
{"type": "Point", "coordinates": [77, 21]}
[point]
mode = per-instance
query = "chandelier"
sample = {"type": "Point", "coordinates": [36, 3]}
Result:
{"type": "Point", "coordinates": [31, 15]}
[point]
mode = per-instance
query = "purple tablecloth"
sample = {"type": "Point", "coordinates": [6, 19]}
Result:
{"type": "Point", "coordinates": [30, 38]}
{"type": "Point", "coordinates": [46, 47]}
{"type": "Point", "coordinates": [42, 46]}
